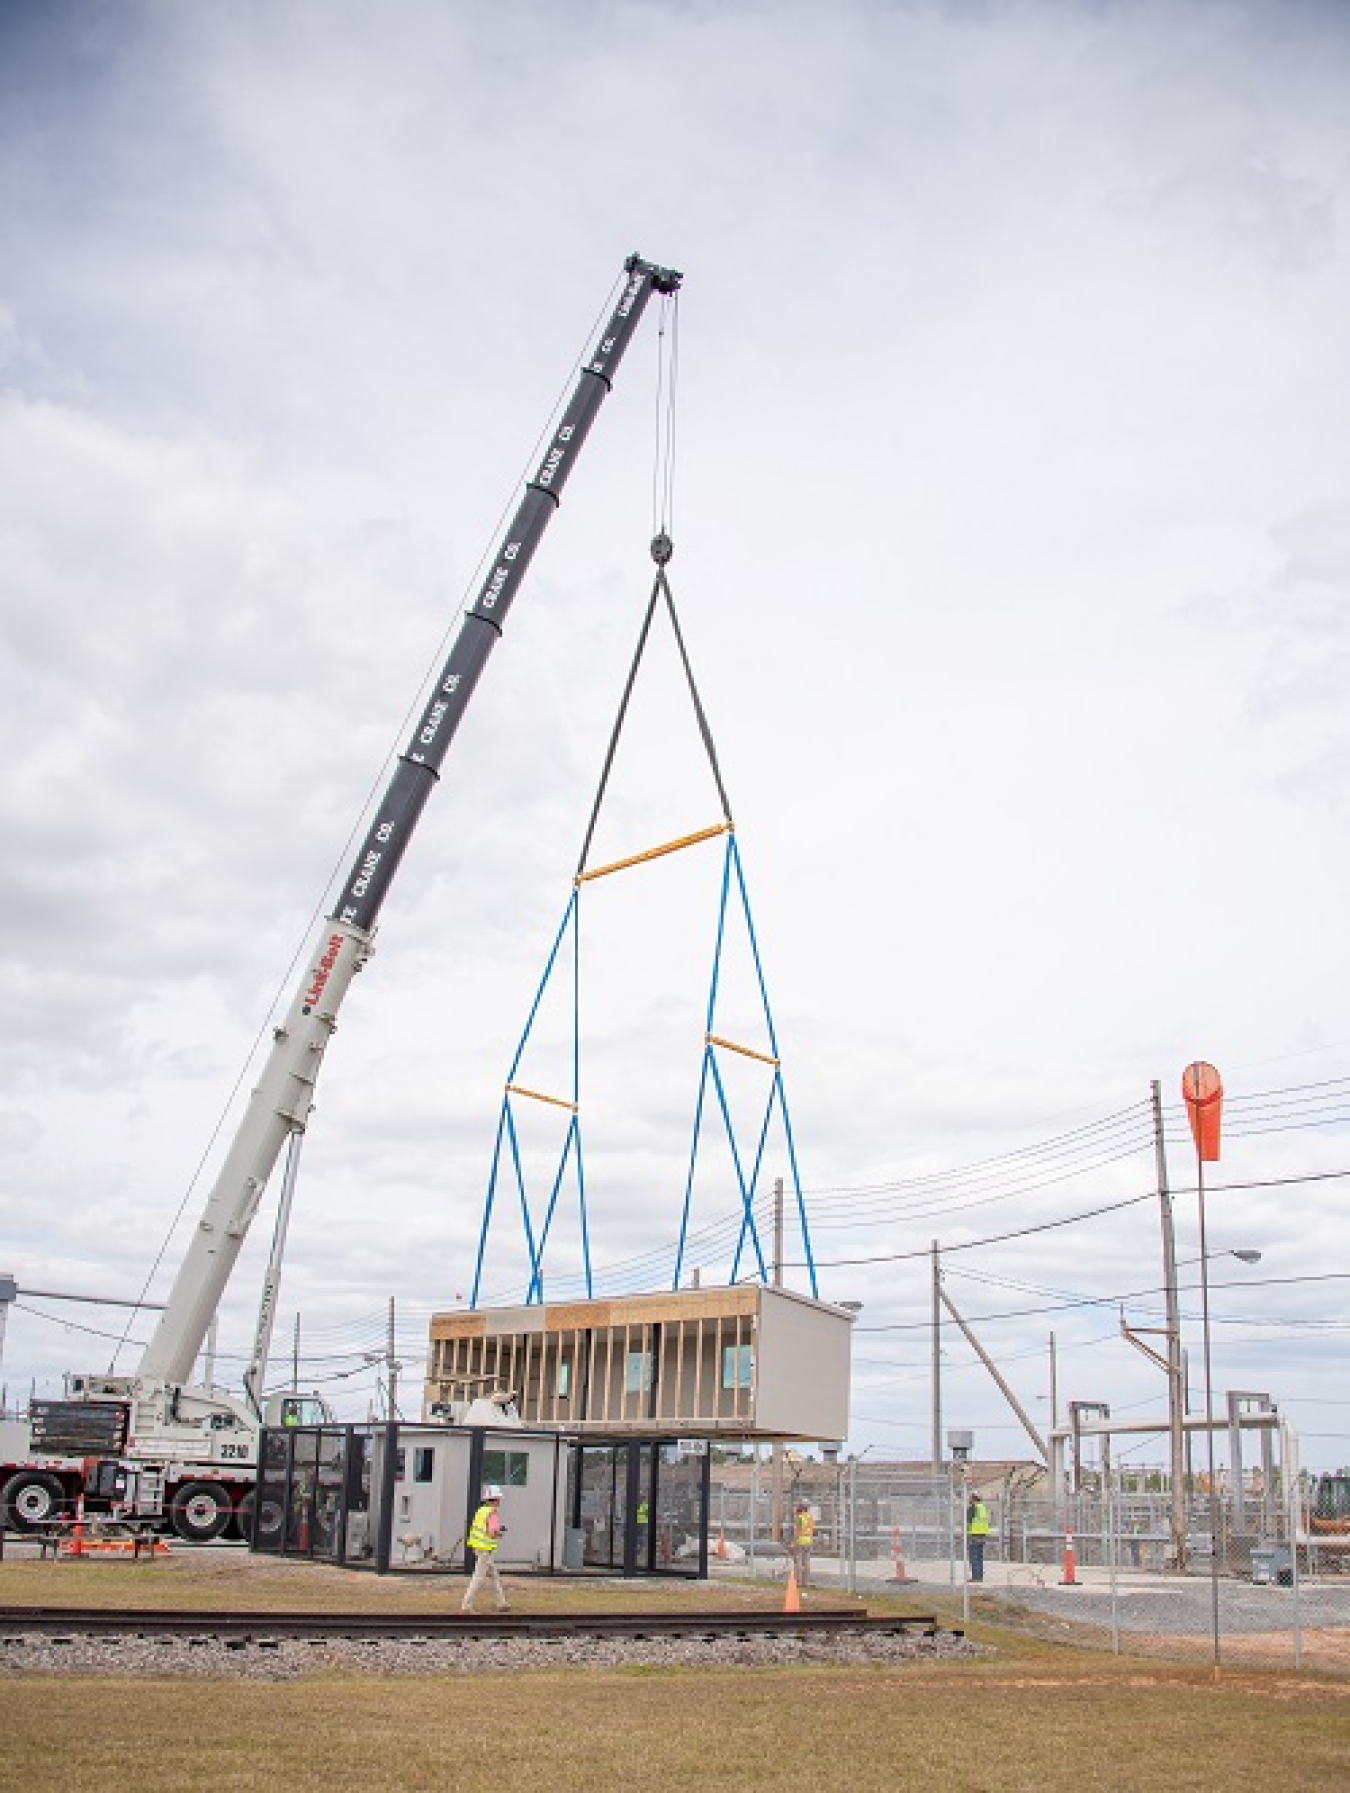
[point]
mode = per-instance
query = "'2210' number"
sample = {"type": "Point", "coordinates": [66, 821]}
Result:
{"type": "Point", "coordinates": [234, 1450]}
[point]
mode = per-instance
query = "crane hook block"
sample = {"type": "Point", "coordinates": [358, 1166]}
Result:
{"type": "Point", "coordinates": [662, 548]}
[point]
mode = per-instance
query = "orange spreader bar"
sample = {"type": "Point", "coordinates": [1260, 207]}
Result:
{"type": "Point", "coordinates": [746, 1051]}
{"type": "Point", "coordinates": [673, 846]}
{"type": "Point", "coordinates": [518, 1089]}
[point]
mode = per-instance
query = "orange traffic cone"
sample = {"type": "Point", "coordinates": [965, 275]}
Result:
{"type": "Point", "coordinates": [1069, 1579]}
{"type": "Point", "coordinates": [721, 1548]}
{"type": "Point", "coordinates": [792, 1599]}
{"type": "Point", "coordinates": [901, 1577]}
{"type": "Point", "coordinates": [75, 1547]}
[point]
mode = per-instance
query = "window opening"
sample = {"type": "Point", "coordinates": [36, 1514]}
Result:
{"type": "Point", "coordinates": [507, 1469]}
{"type": "Point", "coordinates": [738, 1362]}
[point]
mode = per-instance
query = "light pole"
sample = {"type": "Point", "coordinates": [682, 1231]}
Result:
{"type": "Point", "coordinates": [1202, 1088]}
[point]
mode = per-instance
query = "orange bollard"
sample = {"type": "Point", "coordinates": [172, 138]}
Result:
{"type": "Point", "coordinates": [721, 1548]}
{"type": "Point", "coordinates": [1069, 1579]}
{"type": "Point", "coordinates": [792, 1599]}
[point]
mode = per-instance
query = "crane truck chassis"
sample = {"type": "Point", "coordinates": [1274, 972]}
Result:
{"type": "Point", "coordinates": [154, 1443]}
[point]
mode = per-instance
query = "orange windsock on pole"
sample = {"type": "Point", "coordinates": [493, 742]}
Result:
{"type": "Point", "coordinates": [1202, 1087]}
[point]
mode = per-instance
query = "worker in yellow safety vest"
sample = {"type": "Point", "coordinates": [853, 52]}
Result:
{"type": "Point", "coordinates": [803, 1537]}
{"type": "Point", "coordinates": [977, 1530]}
{"type": "Point", "coordinates": [484, 1535]}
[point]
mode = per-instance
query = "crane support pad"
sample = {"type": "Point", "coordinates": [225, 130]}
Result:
{"type": "Point", "coordinates": [764, 1058]}
{"type": "Point", "coordinates": [674, 846]}
{"type": "Point", "coordinates": [518, 1089]}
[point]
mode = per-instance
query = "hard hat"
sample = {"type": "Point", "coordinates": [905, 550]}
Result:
{"type": "Point", "coordinates": [493, 1493]}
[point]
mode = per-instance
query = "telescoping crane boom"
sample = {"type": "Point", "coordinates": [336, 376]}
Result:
{"type": "Point", "coordinates": [196, 1448]}
{"type": "Point", "coordinates": [281, 1102]}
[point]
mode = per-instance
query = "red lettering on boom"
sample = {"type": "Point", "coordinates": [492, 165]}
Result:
{"type": "Point", "coordinates": [323, 970]}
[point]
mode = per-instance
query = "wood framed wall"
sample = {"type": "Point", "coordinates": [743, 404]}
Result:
{"type": "Point", "coordinates": [679, 1364]}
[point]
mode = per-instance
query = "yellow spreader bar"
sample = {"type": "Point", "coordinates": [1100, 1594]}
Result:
{"type": "Point", "coordinates": [673, 846]}
{"type": "Point", "coordinates": [517, 1089]}
{"type": "Point", "coordinates": [745, 1051]}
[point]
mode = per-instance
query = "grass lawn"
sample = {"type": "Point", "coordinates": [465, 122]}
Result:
{"type": "Point", "coordinates": [235, 1579]}
{"type": "Point", "coordinates": [1008, 1725]}
{"type": "Point", "coordinates": [1032, 1714]}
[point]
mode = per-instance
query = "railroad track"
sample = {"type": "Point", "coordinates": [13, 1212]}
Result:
{"type": "Point", "coordinates": [245, 1627]}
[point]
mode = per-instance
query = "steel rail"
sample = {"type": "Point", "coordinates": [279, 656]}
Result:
{"type": "Point", "coordinates": [58, 1621]}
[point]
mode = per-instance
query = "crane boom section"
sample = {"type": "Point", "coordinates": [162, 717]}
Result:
{"type": "Point", "coordinates": [281, 1102]}
{"type": "Point", "coordinates": [419, 766]}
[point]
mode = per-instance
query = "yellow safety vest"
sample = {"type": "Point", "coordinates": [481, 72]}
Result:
{"type": "Point", "coordinates": [979, 1521]}
{"type": "Point", "coordinates": [805, 1534]}
{"type": "Point", "coordinates": [481, 1540]}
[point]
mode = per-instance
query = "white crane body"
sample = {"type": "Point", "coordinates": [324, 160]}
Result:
{"type": "Point", "coordinates": [154, 1438]}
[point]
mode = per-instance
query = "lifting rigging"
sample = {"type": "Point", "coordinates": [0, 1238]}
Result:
{"type": "Point", "coordinates": [569, 1157]}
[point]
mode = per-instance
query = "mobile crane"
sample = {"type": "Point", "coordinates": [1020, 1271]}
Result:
{"type": "Point", "coordinates": [155, 1440]}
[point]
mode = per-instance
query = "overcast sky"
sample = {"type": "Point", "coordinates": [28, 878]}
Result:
{"type": "Point", "coordinates": [1012, 554]}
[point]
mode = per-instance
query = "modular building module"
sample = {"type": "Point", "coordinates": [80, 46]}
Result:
{"type": "Point", "coordinates": [743, 1362]}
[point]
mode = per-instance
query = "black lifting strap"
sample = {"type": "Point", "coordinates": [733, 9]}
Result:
{"type": "Point", "coordinates": [662, 550]}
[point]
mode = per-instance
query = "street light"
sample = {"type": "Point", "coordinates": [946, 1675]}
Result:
{"type": "Point", "coordinates": [1202, 1091]}
{"type": "Point", "coordinates": [1245, 1253]}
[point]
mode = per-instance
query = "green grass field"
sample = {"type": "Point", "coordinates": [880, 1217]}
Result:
{"type": "Point", "coordinates": [1030, 1714]}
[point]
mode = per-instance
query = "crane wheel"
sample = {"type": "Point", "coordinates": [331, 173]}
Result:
{"type": "Point", "coordinates": [271, 1524]}
{"type": "Point", "coordinates": [29, 1499]}
{"type": "Point", "coordinates": [200, 1512]}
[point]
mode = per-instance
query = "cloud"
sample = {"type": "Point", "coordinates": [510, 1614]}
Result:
{"type": "Point", "coordinates": [1010, 545]}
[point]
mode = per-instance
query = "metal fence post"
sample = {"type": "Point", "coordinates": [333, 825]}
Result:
{"type": "Point", "coordinates": [1112, 1531]}
{"type": "Point", "coordinates": [852, 1527]}
{"type": "Point", "coordinates": [754, 1508]}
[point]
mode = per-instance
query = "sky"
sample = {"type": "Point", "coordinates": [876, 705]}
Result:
{"type": "Point", "coordinates": [1012, 552]}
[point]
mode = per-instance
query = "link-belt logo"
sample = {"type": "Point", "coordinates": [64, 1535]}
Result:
{"type": "Point", "coordinates": [323, 971]}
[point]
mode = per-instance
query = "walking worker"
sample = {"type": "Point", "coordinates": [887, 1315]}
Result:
{"type": "Point", "coordinates": [484, 1533]}
{"type": "Point", "coordinates": [803, 1537]}
{"type": "Point", "coordinates": [977, 1530]}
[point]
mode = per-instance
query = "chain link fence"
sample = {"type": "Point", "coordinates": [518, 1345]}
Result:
{"type": "Point", "coordinates": [1255, 1585]}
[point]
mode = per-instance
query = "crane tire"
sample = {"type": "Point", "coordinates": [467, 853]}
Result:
{"type": "Point", "coordinates": [271, 1523]}
{"type": "Point", "coordinates": [243, 1516]}
{"type": "Point", "coordinates": [200, 1512]}
{"type": "Point", "coordinates": [30, 1498]}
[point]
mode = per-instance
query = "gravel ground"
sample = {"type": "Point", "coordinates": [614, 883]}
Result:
{"type": "Point", "coordinates": [1185, 1608]}
{"type": "Point", "coordinates": [287, 1660]}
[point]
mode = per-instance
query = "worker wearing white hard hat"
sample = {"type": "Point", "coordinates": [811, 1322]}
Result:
{"type": "Point", "coordinates": [484, 1535]}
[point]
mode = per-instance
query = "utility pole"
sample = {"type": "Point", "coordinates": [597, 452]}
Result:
{"type": "Point", "coordinates": [1054, 1387]}
{"type": "Point", "coordinates": [778, 1233]}
{"type": "Point", "coordinates": [392, 1365]}
{"type": "Point", "coordinates": [1171, 1359]}
{"type": "Point", "coordinates": [295, 1357]}
{"type": "Point", "coordinates": [1176, 1390]}
{"type": "Point", "coordinates": [1057, 1452]}
{"type": "Point", "coordinates": [937, 1361]}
